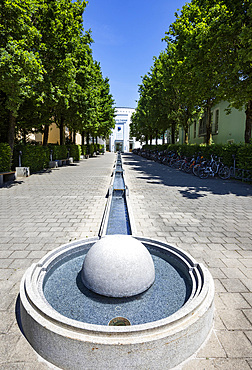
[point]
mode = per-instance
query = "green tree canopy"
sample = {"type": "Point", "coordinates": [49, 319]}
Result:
{"type": "Point", "coordinates": [211, 39]}
{"type": "Point", "coordinates": [208, 58]}
{"type": "Point", "coordinates": [20, 64]}
{"type": "Point", "coordinates": [47, 70]}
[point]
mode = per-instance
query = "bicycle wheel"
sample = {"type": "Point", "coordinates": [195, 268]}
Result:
{"type": "Point", "coordinates": [177, 164]}
{"type": "Point", "coordinates": [224, 172]}
{"type": "Point", "coordinates": [214, 167]}
{"type": "Point", "coordinates": [203, 173]}
{"type": "Point", "coordinates": [196, 169]}
{"type": "Point", "coordinates": [185, 167]}
{"type": "Point", "coordinates": [188, 168]}
{"type": "Point", "coordinates": [182, 167]}
{"type": "Point", "coordinates": [173, 163]}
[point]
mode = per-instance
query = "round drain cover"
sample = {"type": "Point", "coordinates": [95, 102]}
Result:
{"type": "Point", "coordinates": [119, 321]}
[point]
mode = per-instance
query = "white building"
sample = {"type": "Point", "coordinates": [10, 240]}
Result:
{"type": "Point", "coordinates": [120, 139]}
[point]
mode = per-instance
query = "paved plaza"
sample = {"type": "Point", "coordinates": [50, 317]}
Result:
{"type": "Point", "coordinates": [211, 219]}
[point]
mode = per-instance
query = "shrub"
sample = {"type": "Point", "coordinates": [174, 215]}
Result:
{"type": "Point", "coordinates": [5, 157]}
{"type": "Point", "coordinates": [62, 151]}
{"type": "Point", "coordinates": [74, 151]}
{"type": "Point", "coordinates": [91, 149]}
{"type": "Point", "coordinates": [59, 151]}
{"type": "Point", "coordinates": [244, 157]}
{"type": "Point", "coordinates": [34, 156]}
{"type": "Point", "coordinates": [84, 149]}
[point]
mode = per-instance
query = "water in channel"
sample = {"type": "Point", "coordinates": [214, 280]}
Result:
{"type": "Point", "coordinates": [118, 222]}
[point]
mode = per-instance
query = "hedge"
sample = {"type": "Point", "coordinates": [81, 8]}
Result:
{"type": "Point", "coordinates": [244, 157]}
{"type": "Point", "coordinates": [34, 156]}
{"type": "Point", "coordinates": [63, 151]}
{"type": "Point", "coordinates": [5, 157]}
{"type": "Point", "coordinates": [58, 151]}
{"type": "Point", "coordinates": [84, 150]}
{"type": "Point", "coordinates": [91, 149]}
{"type": "Point", "coordinates": [74, 151]}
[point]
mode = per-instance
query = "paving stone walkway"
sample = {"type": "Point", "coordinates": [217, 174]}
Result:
{"type": "Point", "coordinates": [38, 214]}
{"type": "Point", "coordinates": [211, 219]}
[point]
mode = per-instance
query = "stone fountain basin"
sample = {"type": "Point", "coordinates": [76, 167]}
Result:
{"type": "Point", "coordinates": [72, 344]}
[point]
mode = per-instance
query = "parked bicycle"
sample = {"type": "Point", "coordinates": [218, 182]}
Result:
{"type": "Point", "coordinates": [213, 168]}
{"type": "Point", "coordinates": [200, 167]}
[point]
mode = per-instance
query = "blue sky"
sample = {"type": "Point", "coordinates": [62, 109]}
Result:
{"type": "Point", "coordinates": [127, 34]}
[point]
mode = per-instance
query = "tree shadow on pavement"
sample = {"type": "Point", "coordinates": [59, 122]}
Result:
{"type": "Point", "coordinates": [189, 185]}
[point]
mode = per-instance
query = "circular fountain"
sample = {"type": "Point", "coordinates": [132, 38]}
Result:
{"type": "Point", "coordinates": [116, 301]}
{"type": "Point", "coordinates": [74, 327]}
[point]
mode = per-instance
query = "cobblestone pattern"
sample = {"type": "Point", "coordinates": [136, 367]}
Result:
{"type": "Point", "coordinates": [212, 220]}
{"type": "Point", "coordinates": [38, 214]}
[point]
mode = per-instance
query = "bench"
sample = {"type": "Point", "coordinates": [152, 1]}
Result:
{"type": "Point", "coordinates": [7, 176]}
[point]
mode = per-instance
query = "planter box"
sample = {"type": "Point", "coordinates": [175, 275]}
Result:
{"type": "Point", "coordinates": [53, 164]}
{"type": "Point", "coordinates": [22, 171]}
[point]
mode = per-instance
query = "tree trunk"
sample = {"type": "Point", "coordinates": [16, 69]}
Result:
{"type": "Point", "coordinates": [24, 137]}
{"type": "Point", "coordinates": [46, 135]}
{"type": "Point", "coordinates": [156, 138]}
{"type": "Point", "coordinates": [150, 139]}
{"type": "Point", "coordinates": [208, 123]}
{"type": "Point", "coordinates": [96, 140]}
{"type": "Point", "coordinates": [74, 137]}
{"type": "Point", "coordinates": [62, 134]}
{"type": "Point", "coordinates": [11, 130]}
{"type": "Point", "coordinates": [186, 127]}
{"type": "Point", "coordinates": [173, 126]}
{"type": "Point", "coordinates": [82, 138]}
{"type": "Point", "coordinates": [248, 127]}
{"type": "Point", "coordinates": [87, 138]}
{"type": "Point", "coordinates": [163, 138]}
{"type": "Point", "coordinates": [186, 133]}
{"type": "Point", "coordinates": [93, 140]}
{"type": "Point", "coordinates": [146, 139]}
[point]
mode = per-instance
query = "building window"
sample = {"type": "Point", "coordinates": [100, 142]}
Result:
{"type": "Point", "coordinates": [202, 126]}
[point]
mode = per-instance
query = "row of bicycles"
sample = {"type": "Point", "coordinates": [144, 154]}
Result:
{"type": "Point", "coordinates": [197, 165]}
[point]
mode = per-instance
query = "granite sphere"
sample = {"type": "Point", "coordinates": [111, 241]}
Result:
{"type": "Point", "coordinates": [118, 266]}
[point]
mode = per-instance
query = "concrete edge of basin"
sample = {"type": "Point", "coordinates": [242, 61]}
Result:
{"type": "Point", "coordinates": [70, 344]}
